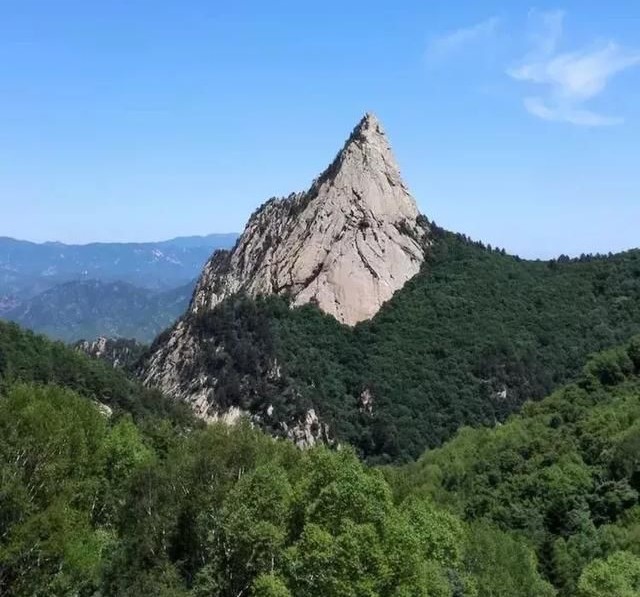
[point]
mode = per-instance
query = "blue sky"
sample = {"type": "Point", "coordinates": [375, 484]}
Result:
{"type": "Point", "coordinates": [515, 123]}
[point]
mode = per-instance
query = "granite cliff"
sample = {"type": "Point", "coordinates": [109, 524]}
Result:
{"type": "Point", "coordinates": [346, 245]}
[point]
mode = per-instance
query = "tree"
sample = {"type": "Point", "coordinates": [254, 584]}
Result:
{"type": "Point", "coordinates": [268, 585]}
{"type": "Point", "coordinates": [503, 566]}
{"type": "Point", "coordinates": [616, 576]}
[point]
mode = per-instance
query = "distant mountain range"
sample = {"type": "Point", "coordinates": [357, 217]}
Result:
{"type": "Point", "coordinates": [27, 268]}
{"type": "Point", "coordinates": [73, 292]}
{"type": "Point", "coordinates": [92, 308]}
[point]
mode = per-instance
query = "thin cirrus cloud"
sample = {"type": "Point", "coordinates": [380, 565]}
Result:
{"type": "Point", "coordinates": [569, 79]}
{"type": "Point", "coordinates": [453, 42]}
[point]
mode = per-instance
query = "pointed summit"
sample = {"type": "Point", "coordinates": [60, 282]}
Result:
{"type": "Point", "coordinates": [368, 131]}
{"type": "Point", "coordinates": [366, 168]}
{"type": "Point", "coordinates": [346, 245]}
{"type": "Point", "coordinates": [368, 124]}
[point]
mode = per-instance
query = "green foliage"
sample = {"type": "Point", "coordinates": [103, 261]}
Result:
{"type": "Point", "coordinates": [91, 505]}
{"type": "Point", "coordinates": [565, 474]}
{"type": "Point", "coordinates": [515, 573]}
{"type": "Point", "coordinates": [51, 465]}
{"type": "Point", "coordinates": [610, 367]}
{"type": "Point", "coordinates": [466, 342]}
{"type": "Point", "coordinates": [240, 353]}
{"type": "Point", "coordinates": [268, 585]}
{"type": "Point", "coordinates": [617, 576]}
{"type": "Point", "coordinates": [25, 356]}
{"type": "Point", "coordinates": [145, 505]}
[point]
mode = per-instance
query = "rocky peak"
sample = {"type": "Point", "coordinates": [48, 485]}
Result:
{"type": "Point", "coordinates": [347, 244]}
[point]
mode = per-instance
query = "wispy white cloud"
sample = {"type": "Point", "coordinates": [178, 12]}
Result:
{"type": "Point", "coordinates": [571, 114]}
{"type": "Point", "coordinates": [453, 42]}
{"type": "Point", "coordinates": [569, 79]}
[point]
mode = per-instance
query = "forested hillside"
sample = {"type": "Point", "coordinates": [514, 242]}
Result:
{"type": "Point", "coordinates": [565, 474]}
{"type": "Point", "coordinates": [465, 342]}
{"type": "Point", "coordinates": [30, 358]}
{"type": "Point", "coordinates": [97, 503]}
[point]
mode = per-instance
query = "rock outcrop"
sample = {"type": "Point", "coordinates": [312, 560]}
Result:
{"type": "Point", "coordinates": [346, 245]}
{"type": "Point", "coordinates": [118, 352]}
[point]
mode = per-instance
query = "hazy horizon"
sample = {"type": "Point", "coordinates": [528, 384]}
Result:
{"type": "Point", "coordinates": [131, 242]}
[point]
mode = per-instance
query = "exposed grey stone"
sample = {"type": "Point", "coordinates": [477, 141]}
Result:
{"type": "Point", "coordinates": [346, 245]}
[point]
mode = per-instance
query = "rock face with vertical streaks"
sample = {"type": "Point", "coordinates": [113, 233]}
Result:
{"type": "Point", "coordinates": [346, 245]}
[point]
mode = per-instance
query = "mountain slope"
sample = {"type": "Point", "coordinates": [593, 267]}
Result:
{"type": "Point", "coordinates": [101, 505]}
{"type": "Point", "coordinates": [565, 473]}
{"type": "Point", "coordinates": [26, 357]}
{"type": "Point", "coordinates": [91, 308]}
{"type": "Point", "coordinates": [346, 246]}
{"type": "Point", "coordinates": [466, 340]}
{"type": "Point", "coordinates": [96, 501]}
{"type": "Point", "coordinates": [563, 478]}
{"type": "Point", "coordinates": [120, 353]}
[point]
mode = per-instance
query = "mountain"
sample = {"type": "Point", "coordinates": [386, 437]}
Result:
{"type": "Point", "coordinates": [73, 292]}
{"type": "Point", "coordinates": [111, 489]}
{"type": "Point", "coordinates": [7, 303]}
{"type": "Point", "coordinates": [27, 269]}
{"type": "Point", "coordinates": [90, 308]}
{"type": "Point", "coordinates": [211, 241]}
{"type": "Point", "coordinates": [346, 245]}
{"type": "Point", "coordinates": [465, 341]}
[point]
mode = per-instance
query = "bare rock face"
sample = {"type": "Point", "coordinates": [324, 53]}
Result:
{"type": "Point", "coordinates": [309, 431]}
{"type": "Point", "coordinates": [346, 245]}
{"type": "Point", "coordinates": [118, 352]}
{"type": "Point", "coordinates": [169, 368]}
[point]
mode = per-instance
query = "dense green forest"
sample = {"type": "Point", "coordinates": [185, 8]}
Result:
{"type": "Point", "coordinates": [565, 474]}
{"type": "Point", "coordinates": [95, 506]}
{"type": "Point", "coordinates": [93, 503]}
{"type": "Point", "coordinates": [465, 342]}
{"type": "Point", "coordinates": [151, 503]}
{"type": "Point", "coordinates": [28, 357]}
